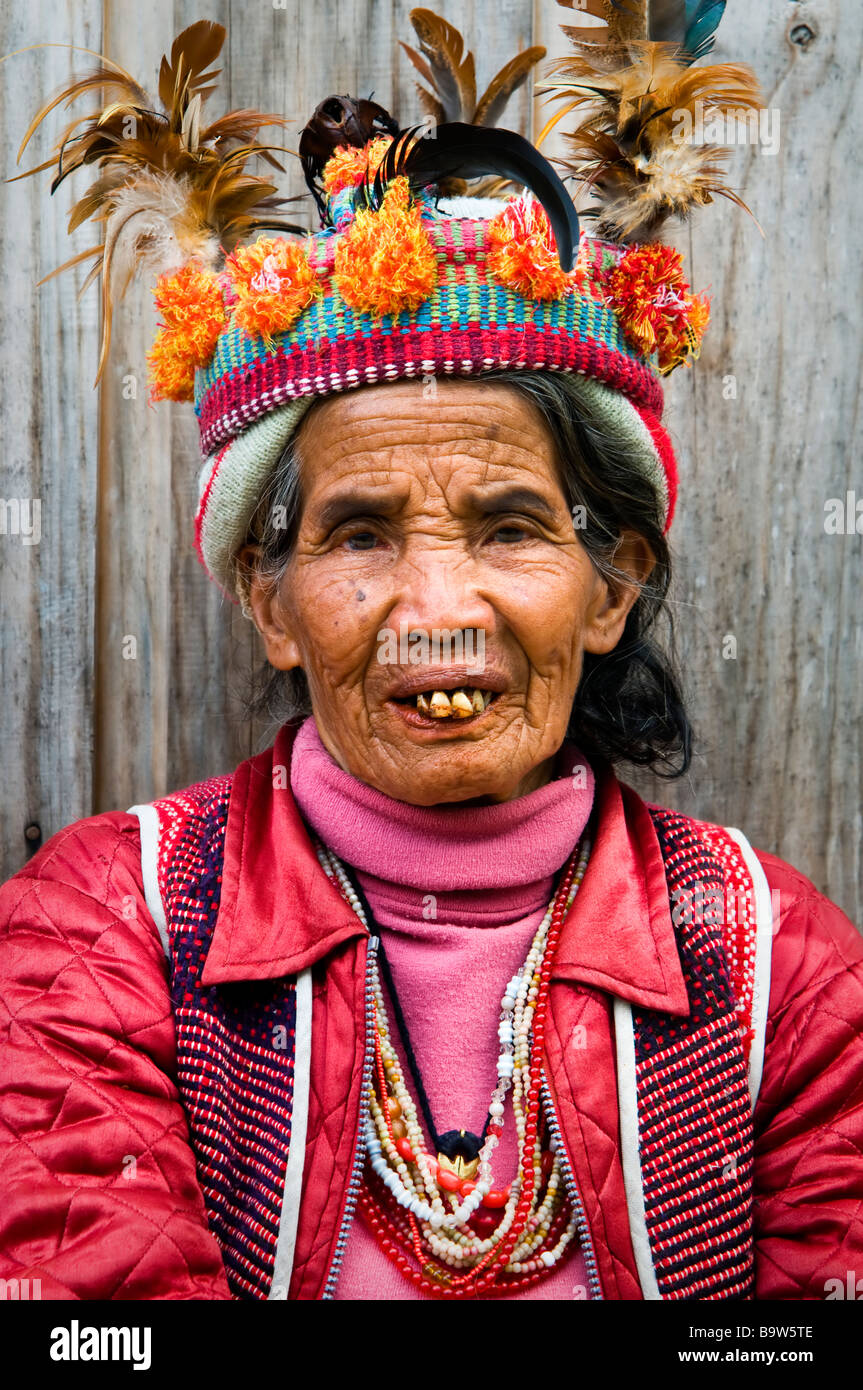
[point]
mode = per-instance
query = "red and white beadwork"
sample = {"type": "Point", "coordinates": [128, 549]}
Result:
{"type": "Point", "coordinates": [425, 1218]}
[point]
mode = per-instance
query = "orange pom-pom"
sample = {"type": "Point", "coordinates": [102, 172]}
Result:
{"type": "Point", "coordinates": [655, 306]}
{"type": "Point", "coordinates": [172, 370]}
{"type": "Point", "coordinates": [523, 253]}
{"type": "Point", "coordinates": [193, 313]}
{"type": "Point", "coordinates": [274, 281]}
{"type": "Point", "coordinates": [348, 165]}
{"type": "Point", "coordinates": [385, 262]}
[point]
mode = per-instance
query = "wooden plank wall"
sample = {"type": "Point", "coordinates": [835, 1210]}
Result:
{"type": "Point", "coordinates": [122, 668]}
{"type": "Point", "coordinates": [769, 428]}
{"type": "Point", "coordinates": [49, 420]}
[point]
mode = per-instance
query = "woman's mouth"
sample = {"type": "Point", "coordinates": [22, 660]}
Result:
{"type": "Point", "coordinates": [445, 706]}
{"type": "Point", "coordinates": [453, 704]}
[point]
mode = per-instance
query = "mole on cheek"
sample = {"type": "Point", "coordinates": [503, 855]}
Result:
{"type": "Point", "coordinates": [360, 596]}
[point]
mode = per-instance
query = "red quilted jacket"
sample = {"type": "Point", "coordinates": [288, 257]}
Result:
{"type": "Point", "coordinates": [88, 1083]}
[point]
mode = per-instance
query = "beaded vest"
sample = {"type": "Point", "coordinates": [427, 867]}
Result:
{"type": "Point", "coordinates": [236, 1053]}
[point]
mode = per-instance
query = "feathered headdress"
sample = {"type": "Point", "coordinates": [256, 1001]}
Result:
{"type": "Point", "coordinates": [171, 190]}
{"type": "Point", "coordinates": [645, 103]}
{"type": "Point", "coordinates": [403, 278]}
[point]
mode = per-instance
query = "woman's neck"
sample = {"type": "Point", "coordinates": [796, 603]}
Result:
{"type": "Point", "coordinates": [477, 865]}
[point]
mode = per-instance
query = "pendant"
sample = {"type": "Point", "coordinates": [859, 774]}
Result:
{"type": "Point", "coordinates": [458, 1152]}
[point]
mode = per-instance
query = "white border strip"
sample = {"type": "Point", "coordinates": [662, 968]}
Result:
{"type": "Point", "coordinates": [148, 819]}
{"type": "Point", "coordinates": [763, 953]}
{"type": "Point", "coordinates": [287, 1242]}
{"type": "Point", "coordinates": [624, 1037]}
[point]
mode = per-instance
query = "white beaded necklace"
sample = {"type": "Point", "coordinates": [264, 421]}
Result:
{"type": "Point", "coordinates": [414, 1183]}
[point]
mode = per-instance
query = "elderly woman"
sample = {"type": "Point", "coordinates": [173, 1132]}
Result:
{"type": "Point", "coordinates": [422, 1001]}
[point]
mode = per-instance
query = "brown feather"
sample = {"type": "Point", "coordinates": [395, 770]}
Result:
{"type": "Point", "coordinates": [451, 77]}
{"type": "Point", "coordinates": [454, 74]}
{"type": "Point", "coordinates": [419, 63]}
{"type": "Point", "coordinates": [108, 74]}
{"type": "Point", "coordinates": [73, 260]}
{"type": "Point", "coordinates": [94, 272]}
{"type": "Point", "coordinates": [184, 75]}
{"type": "Point", "coordinates": [625, 20]}
{"type": "Point", "coordinates": [430, 105]}
{"type": "Point", "coordinates": [501, 87]}
{"type": "Point", "coordinates": [628, 145]}
{"type": "Point", "coordinates": [170, 188]}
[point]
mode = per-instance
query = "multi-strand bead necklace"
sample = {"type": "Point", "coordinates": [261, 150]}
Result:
{"type": "Point", "coordinates": [443, 1221]}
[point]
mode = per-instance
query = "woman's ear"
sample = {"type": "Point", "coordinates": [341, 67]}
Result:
{"type": "Point", "coordinates": [268, 611]}
{"type": "Point", "coordinates": [607, 615]}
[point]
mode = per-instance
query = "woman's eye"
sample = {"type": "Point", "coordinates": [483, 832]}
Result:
{"type": "Point", "coordinates": [508, 534]}
{"type": "Point", "coordinates": [361, 540]}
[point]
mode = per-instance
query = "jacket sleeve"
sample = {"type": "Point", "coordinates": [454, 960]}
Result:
{"type": "Point", "coordinates": [809, 1114]}
{"type": "Point", "coordinates": [99, 1194]}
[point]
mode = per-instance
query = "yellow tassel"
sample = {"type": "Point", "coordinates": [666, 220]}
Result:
{"type": "Point", "coordinates": [172, 371]}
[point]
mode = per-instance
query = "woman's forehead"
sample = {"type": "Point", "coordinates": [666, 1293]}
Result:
{"type": "Point", "coordinates": [407, 425]}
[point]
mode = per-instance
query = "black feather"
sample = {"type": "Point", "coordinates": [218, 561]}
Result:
{"type": "Point", "coordinates": [459, 150]}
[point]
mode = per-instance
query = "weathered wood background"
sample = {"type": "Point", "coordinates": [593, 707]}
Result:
{"type": "Point", "coordinates": [121, 667]}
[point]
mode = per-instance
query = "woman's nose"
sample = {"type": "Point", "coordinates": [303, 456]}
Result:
{"type": "Point", "coordinates": [440, 588]}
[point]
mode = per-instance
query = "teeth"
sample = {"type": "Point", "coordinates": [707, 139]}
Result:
{"type": "Point", "coordinates": [439, 706]}
{"type": "Point", "coordinates": [457, 704]}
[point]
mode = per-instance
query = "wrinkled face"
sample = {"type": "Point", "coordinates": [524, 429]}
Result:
{"type": "Point", "coordinates": [443, 514]}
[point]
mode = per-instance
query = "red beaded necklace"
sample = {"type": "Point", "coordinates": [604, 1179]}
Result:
{"type": "Point", "coordinates": [538, 1217]}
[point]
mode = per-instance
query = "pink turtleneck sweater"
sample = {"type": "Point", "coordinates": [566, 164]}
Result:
{"type": "Point", "coordinates": [459, 894]}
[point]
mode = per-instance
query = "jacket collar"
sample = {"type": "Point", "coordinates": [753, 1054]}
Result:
{"type": "Point", "coordinates": [619, 934]}
{"type": "Point", "coordinates": [279, 913]}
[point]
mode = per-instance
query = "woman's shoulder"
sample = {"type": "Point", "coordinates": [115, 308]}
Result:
{"type": "Point", "coordinates": [817, 951]}
{"type": "Point", "coordinates": [814, 942]}
{"type": "Point", "coordinates": [97, 857]}
{"type": "Point", "coordinates": [77, 939]}
{"type": "Point", "coordinates": [792, 891]}
{"type": "Point", "coordinates": [804, 919]}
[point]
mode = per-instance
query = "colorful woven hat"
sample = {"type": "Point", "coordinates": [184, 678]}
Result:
{"type": "Point", "coordinates": [407, 278]}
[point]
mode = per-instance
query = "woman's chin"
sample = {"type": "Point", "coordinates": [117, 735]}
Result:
{"type": "Point", "coordinates": [491, 757]}
{"type": "Point", "coordinates": [464, 775]}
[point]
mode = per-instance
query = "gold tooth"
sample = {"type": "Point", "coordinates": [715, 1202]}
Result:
{"type": "Point", "coordinates": [423, 704]}
{"type": "Point", "coordinates": [440, 707]}
{"type": "Point", "coordinates": [477, 702]}
{"type": "Point", "coordinates": [461, 705]}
